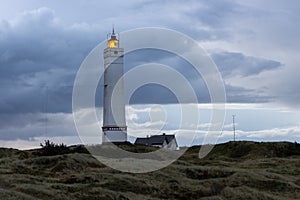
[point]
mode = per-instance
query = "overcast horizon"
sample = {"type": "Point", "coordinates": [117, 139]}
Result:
{"type": "Point", "coordinates": [254, 45]}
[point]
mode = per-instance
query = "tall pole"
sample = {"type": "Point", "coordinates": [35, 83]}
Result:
{"type": "Point", "coordinates": [233, 124]}
{"type": "Point", "coordinates": [46, 112]}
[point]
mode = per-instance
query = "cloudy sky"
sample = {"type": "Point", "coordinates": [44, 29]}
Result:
{"type": "Point", "coordinates": [254, 44]}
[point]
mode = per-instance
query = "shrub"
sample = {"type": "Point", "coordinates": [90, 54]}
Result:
{"type": "Point", "coordinates": [50, 149]}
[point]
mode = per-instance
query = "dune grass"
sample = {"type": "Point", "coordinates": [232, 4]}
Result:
{"type": "Point", "coordinates": [234, 170]}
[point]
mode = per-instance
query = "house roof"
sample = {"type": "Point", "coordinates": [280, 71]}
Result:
{"type": "Point", "coordinates": [155, 139]}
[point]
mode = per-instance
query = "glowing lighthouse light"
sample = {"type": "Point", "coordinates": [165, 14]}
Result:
{"type": "Point", "coordinates": [113, 42]}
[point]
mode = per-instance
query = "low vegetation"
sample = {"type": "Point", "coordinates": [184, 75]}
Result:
{"type": "Point", "coordinates": [233, 170]}
{"type": "Point", "coordinates": [51, 149]}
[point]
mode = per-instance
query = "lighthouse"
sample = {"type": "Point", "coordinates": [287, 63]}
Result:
{"type": "Point", "coordinates": [114, 123]}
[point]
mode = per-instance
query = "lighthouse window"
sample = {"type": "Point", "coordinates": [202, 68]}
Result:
{"type": "Point", "coordinates": [116, 52]}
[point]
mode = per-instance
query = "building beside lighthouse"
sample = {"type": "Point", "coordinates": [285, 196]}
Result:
{"type": "Point", "coordinates": [114, 123]}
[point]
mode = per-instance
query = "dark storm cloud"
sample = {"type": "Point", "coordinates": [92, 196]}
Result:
{"type": "Point", "coordinates": [236, 94]}
{"type": "Point", "coordinates": [229, 64]}
{"type": "Point", "coordinates": [232, 64]}
{"type": "Point", "coordinates": [39, 57]}
{"type": "Point", "coordinates": [31, 125]}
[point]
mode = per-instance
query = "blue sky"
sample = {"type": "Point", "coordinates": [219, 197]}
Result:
{"type": "Point", "coordinates": [255, 45]}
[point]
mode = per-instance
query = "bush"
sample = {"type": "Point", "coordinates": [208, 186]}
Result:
{"type": "Point", "coordinates": [50, 149]}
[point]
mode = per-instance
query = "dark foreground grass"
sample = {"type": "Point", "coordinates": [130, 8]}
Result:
{"type": "Point", "coordinates": [234, 170]}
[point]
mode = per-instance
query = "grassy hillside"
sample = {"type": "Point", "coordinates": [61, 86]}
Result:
{"type": "Point", "coordinates": [234, 170]}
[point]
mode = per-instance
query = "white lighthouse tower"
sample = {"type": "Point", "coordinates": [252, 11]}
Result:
{"type": "Point", "coordinates": [114, 124]}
